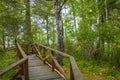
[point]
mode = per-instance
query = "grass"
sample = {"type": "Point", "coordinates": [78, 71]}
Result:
{"type": "Point", "coordinates": [6, 59]}
{"type": "Point", "coordinates": [95, 70]}
{"type": "Point", "coordinates": [98, 70]}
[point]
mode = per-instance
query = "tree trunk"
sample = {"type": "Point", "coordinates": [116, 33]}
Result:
{"type": "Point", "coordinates": [8, 41]}
{"type": "Point", "coordinates": [28, 33]}
{"type": "Point", "coordinates": [60, 34]}
{"type": "Point", "coordinates": [106, 10]}
{"type": "Point", "coordinates": [53, 36]}
{"type": "Point", "coordinates": [73, 9]}
{"type": "Point", "coordinates": [47, 28]}
{"type": "Point", "coordinates": [3, 38]}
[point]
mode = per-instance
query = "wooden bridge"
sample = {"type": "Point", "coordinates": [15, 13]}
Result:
{"type": "Point", "coordinates": [42, 65]}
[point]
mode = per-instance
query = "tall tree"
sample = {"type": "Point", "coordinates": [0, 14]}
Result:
{"type": "Point", "coordinates": [59, 24]}
{"type": "Point", "coordinates": [28, 33]}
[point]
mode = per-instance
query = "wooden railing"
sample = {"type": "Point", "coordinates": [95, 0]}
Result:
{"type": "Point", "coordinates": [42, 53]}
{"type": "Point", "coordinates": [22, 63]}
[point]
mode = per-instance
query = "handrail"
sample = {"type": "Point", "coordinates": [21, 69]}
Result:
{"type": "Point", "coordinates": [74, 70]}
{"type": "Point", "coordinates": [12, 66]}
{"type": "Point", "coordinates": [75, 73]}
{"type": "Point", "coordinates": [58, 52]}
{"type": "Point", "coordinates": [22, 53]}
{"type": "Point", "coordinates": [22, 63]}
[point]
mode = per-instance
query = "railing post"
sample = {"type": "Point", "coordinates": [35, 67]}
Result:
{"type": "Point", "coordinates": [52, 53]}
{"type": "Point", "coordinates": [20, 57]}
{"type": "Point", "coordinates": [53, 65]}
{"type": "Point", "coordinates": [71, 73]}
{"type": "Point", "coordinates": [44, 55]}
{"type": "Point", "coordinates": [25, 67]}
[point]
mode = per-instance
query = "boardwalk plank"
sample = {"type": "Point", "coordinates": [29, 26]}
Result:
{"type": "Point", "coordinates": [39, 71]}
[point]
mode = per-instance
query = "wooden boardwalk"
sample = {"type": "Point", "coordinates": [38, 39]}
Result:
{"type": "Point", "coordinates": [33, 68]}
{"type": "Point", "coordinates": [40, 71]}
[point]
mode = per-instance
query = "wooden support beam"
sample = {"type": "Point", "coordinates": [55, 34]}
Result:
{"type": "Point", "coordinates": [59, 67]}
{"type": "Point", "coordinates": [44, 54]}
{"type": "Point", "coordinates": [38, 53]}
{"type": "Point", "coordinates": [55, 51]}
{"type": "Point", "coordinates": [25, 67]}
{"type": "Point", "coordinates": [48, 56]}
{"type": "Point", "coordinates": [75, 73]}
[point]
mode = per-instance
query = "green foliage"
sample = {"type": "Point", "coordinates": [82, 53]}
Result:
{"type": "Point", "coordinates": [6, 60]}
{"type": "Point", "coordinates": [91, 29]}
{"type": "Point", "coordinates": [9, 75]}
{"type": "Point", "coordinates": [112, 72]}
{"type": "Point", "coordinates": [1, 51]}
{"type": "Point", "coordinates": [98, 68]}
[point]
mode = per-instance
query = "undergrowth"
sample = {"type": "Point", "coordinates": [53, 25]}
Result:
{"type": "Point", "coordinates": [100, 69]}
{"type": "Point", "coordinates": [6, 59]}
{"type": "Point", "coordinates": [94, 69]}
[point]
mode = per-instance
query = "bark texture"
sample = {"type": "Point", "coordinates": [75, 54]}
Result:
{"type": "Point", "coordinates": [59, 24]}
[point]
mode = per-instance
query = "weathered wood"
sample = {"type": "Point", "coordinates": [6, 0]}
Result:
{"type": "Point", "coordinates": [55, 51]}
{"type": "Point", "coordinates": [19, 55]}
{"type": "Point", "coordinates": [48, 56]}
{"type": "Point", "coordinates": [56, 70]}
{"type": "Point", "coordinates": [44, 54]}
{"type": "Point", "coordinates": [52, 52]}
{"type": "Point", "coordinates": [13, 66]}
{"type": "Point", "coordinates": [35, 62]}
{"type": "Point", "coordinates": [42, 71]}
{"type": "Point", "coordinates": [71, 73]}
{"type": "Point", "coordinates": [59, 67]}
{"type": "Point", "coordinates": [38, 53]}
{"type": "Point", "coordinates": [37, 70]}
{"type": "Point", "coordinates": [25, 67]}
{"type": "Point", "coordinates": [18, 63]}
{"type": "Point", "coordinates": [75, 74]}
{"type": "Point", "coordinates": [21, 51]}
{"type": "Point", "coordinates": [53, 65]}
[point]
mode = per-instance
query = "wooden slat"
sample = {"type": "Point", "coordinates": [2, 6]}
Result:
{"type": "Point", "coordinates": [59, 67]}
{"type": "Point", "coordinates": [25, 67]}
{"type": "Point", "coordinates": [56, 70]}
{"type": "Point", "coordinates": [75, 70]}
{"type": "Point", "coordinates": [35, 62]}
{"type": "Point", "coordinates": [21, 51]}
{"type": "Point", "coordinates": [44, 54]}
{"type": "Point", "coordinates": [48, 56]}
{"type": "Point", "coordinates": [42, 71]}
{"type": "Point", "coordinates": [38, 52]}
{"type": "Point", "coordinates": [75, 73]}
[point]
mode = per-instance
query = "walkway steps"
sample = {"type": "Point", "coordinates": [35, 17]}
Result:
{"type": "Point", "coordinates": [40, 71]}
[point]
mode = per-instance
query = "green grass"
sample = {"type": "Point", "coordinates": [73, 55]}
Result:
{"type": "Point", "coordinates": [100, 69]}
{"type": "Point", "coordinates": [95, 69]}
{"type": "Point", "coordinates": [6, 59]}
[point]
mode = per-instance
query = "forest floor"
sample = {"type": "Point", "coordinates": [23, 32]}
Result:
{"type": "Point", "coordinates": [95, 70]}
{"type": "Point", "coordinates": [98, 70]}
{"type": "Point", "coordinates": [91, 76]}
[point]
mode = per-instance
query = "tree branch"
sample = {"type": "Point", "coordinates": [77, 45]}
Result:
{"type": "Point", "coordinates": [62, 6]}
